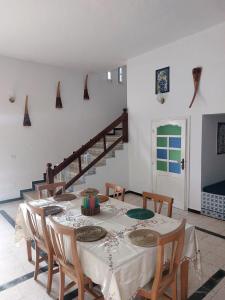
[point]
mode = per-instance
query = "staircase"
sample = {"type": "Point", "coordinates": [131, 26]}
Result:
{"type": "Point", "coordinates": [73, 169]}
{"type": "Point", "coordinates": [85, 161]}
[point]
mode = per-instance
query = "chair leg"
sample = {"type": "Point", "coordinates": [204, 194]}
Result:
{"type": "Point", "coordinates": [37, 257]}
{"type": "Point", "coordinates": [80, 291]}
{"type": "Point", "coordinates": [184, 268]}
{"type": "Point", "coordinates": [50, 273]}
{"type": "Point", "coordinates": [62, 284]}
{"type": "Point", "coordinates": [174, 289]}
{"type": "Point", "coordinates": [29, 250]}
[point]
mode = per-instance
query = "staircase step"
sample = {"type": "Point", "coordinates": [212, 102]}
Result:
{"type": "Point", "coordinates": [73, 165]}
{"type": "Point", "coordinates": [70, 174]}
{"type": "Point", "coordinates": [91, 171]}
{"type": "Point", "coordinates": [75, 169]}
{"type": "Point", "coordinates": [37, 184]}
{"type": "Point", "coordinates": [29, 196]}
{"type": "Point", "coordinates": [33, 195]}
{"type": "Point", "coordinates": [101, 163]}
{"type": "Point", "coordinates": [112, 138]}
{"type": "Point", "coordinates": [80, 181]}
{"type": "Point", "coordinates": [119, 131]}
{"type": "Point", "coordinates": [97, 151]}
{"type": "Point", "coordinates": [100, 145]}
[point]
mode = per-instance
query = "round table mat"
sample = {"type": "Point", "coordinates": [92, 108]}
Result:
{"type": "Point", "coordinates": [52, 210]}
{"type": "Point", "coordinates": [90, 233]}
{"type": "Point", "coordinates": [102, 198]}
{"type": "Point", "coordinates": [140, 213]}
{"type": "Point", "coordinates": [64, 197]}
{"type": "Point", "coordinates": [144, 237]}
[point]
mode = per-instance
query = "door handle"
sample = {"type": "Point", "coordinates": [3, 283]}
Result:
{"type": "Point", "coordinates": [182, 164]}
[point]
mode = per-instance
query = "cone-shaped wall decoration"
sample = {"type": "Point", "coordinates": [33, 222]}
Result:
{"type": "Point", "coordinates": [196, 72]}
{"type": "Point", "coordinates": [86, 95]}
{"type": "Point", "coordinates": [58, 103]}
{"type": "Point", "coordinates": [26, 120]}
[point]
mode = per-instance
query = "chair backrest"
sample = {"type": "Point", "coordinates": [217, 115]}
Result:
{"type": "Point", "coordinates": [173, 241]}
{"type": "Point", "coordinates": [158, 201]}
{"type": "Point", "coordinates": [51, 189]}
{"type": "Point", "coordinates": [115, 191]}
{"type": "Point", "coordinates": [66, 253]}
{"type": "Point", "coordinates": [37, 222]}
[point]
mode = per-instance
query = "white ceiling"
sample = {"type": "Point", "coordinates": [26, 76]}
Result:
{"type": "Point", "coordinates": [98, 34]}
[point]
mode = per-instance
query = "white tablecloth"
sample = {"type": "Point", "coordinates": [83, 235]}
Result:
{"type": "Point", "coordinates": [114, 263]}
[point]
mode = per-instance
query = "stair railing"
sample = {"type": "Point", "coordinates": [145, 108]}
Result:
{"type": "Point", "coordinates": [51, 172]}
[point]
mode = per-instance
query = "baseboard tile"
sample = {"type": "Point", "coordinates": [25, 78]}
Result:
{"type": "Point", "coordinates": [134, 193]}
{"type": "Point", "coordinates": [10, 200]}
{"type": "Point", "coordinates": [21, 193]}
{"type": "Point", "coordinates": [194, 211]}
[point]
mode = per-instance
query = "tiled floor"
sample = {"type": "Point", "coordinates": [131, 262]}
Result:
{"type": "Point", "coordinates": [14, 267]}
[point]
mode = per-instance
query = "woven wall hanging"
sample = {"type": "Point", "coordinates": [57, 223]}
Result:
{"type": "Point", "coordinates": [86, 94]}
{"type": "Point", "coordinates": [26, 120]}
{"type": "Point", "coordinates": [58, 103]}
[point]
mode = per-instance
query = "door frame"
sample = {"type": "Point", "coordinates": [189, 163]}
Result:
{"type": "Point", "coordinates": [187, 155]}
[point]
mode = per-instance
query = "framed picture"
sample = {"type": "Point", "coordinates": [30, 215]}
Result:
{"type": "Point", "coordinates": [221, 138]}
{"type": "Point", "coordinates": [162, 80]}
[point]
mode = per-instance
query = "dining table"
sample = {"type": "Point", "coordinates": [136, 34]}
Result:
{"type": "Point", "coordinates": [118, 266]}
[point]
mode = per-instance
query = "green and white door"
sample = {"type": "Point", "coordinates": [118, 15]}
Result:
{"type": "Point", "coordinates": [169, 161]}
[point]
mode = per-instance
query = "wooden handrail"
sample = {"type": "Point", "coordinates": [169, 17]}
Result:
{"type": "Point", "coordinates": [52, 172]}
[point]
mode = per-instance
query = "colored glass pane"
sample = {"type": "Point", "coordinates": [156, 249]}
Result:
{"type": "Point", "coordinates": [161, 165]}
{"type": "Point", "coordinates": [175, 142]}
{"type": "Point", "coordinates": [161, 153]}
{"type": "Point", "coordinates": [174, 167]}
{"type": "Point", "coordinates": [169, 129]}
{"type": "Point", "coordinates": [161, 142]}
{"type": "Point", "coordinates": [175, 155]}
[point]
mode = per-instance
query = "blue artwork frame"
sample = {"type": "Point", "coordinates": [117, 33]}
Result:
{"type": "Point", "coordinates": [162, 80]}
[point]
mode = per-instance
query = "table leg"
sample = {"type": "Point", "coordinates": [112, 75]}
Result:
{"type": "Point", "coordinates": [29, 250]}
{"type": "Point", "coordinates": [184, 268]}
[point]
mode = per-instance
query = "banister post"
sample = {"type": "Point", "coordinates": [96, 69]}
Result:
{"type": "Point", "coordinates": [104, 142]}
{"type": "Point", "coordinates": [125, 125]}
{"type": "Point", "coordinates": [49, 173]}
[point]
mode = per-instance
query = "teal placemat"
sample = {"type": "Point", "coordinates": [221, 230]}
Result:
{"type": "Point", "coordinates": [140, 213]}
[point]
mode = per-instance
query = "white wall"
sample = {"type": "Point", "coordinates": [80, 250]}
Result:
{"type": "Point", "coordinates": [206, 49]}
{"type": "Point", "coordinates": [213, 164]}
{"type": "Point", "coordinates": [54, 133]}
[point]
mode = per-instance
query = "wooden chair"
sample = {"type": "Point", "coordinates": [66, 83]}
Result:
{"type": "Point", "coordinates": [164, 280]}
{"type": "Point", "coordinates": [158, 200]}
{"type": "Point", "coordinates": [115, 191]}
{"type": "Point", "coordinates": [37, 222]}
{"type": "Point", "coordinates": [70, 267]}
{"type": "Point", "coordinates": [50, 188]}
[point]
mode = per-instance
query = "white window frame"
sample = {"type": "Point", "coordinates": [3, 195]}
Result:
{"type": "Point", "coordinates": [109, 76]}
{"type": "Point", "coordinates": [120, 75]}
